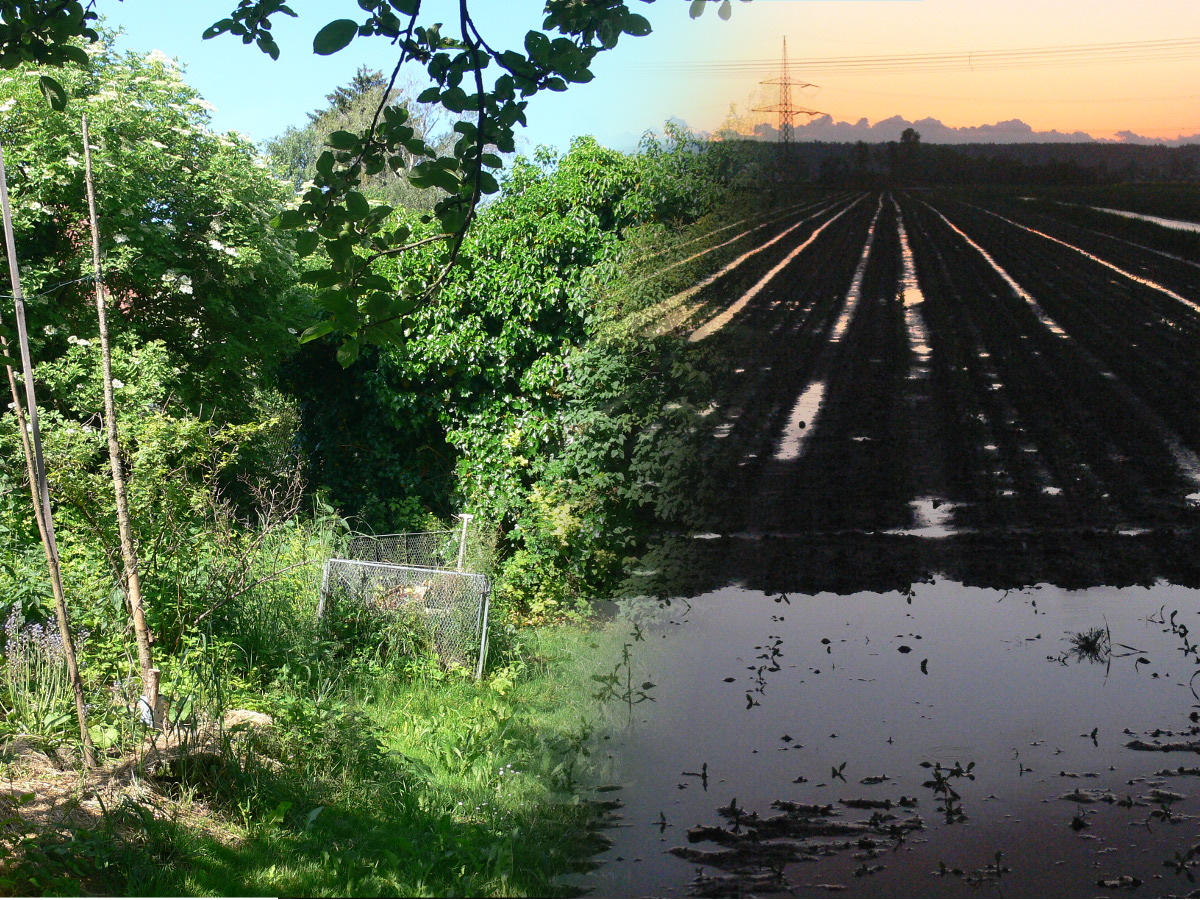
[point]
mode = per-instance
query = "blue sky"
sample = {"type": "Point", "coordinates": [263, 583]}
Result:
{"type": "Point", "coordinates": [260, 97]}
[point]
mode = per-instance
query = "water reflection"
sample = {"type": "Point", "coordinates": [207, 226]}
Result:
{"type": "Point", "coordinates": [904, 742]}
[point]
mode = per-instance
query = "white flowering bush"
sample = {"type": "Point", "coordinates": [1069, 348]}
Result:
{"type": "Point", "coordinates": [190, 259]}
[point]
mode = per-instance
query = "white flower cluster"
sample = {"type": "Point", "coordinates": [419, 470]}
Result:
{"type": "Point", "coordinates": [157, 56]}
{"type": "Point", "coordinates": [174, 280]}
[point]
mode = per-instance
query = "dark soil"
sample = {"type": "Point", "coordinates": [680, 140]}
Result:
{"type": "Point", "coordinates": [1063, 457]}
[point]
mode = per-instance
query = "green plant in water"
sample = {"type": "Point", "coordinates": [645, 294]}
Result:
{"type": "Point", "coordinates": [940, 784]}
{"type": "Point", "coordinates": [1182, 863]}
{"type": "Point", "coordinates": [619, 684]}
{"type": "Point", "coordinates": [1094, 645]}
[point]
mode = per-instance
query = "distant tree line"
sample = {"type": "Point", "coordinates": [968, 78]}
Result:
{"type": "Point", "coordinates": [910, 162]}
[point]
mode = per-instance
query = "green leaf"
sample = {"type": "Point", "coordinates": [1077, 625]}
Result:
{"type": "Point", "coordinates": [725, 10]}
{"type": "Point", "coordinates": [696, 10]}
{"type": "Point", "coordinates": [334, 36]}
{"type": "Point", "coordinates": [217, 28]}
{"type": "Point", "coordinates": [288, 218]}
{"type": "Point", "coordinates": [348, 353]}
{"type": "Point", "coordinates": [639, 26]}
{"type": "Point", "coordinates": [76, 54]}
{"type": "Point", "coordinates": [487, 183]}
{"type": "Point", "coordinates": [53, 92]}
{"type": "Point", "coordinates": [357, 206]}
{"type": "Point", "coordinates": [319, 330]}
{"type": "Point", "coordinates": [373, 281]}
{"type": "Point", "coordinates": [342, 140]}
{"type": "Point", "coordinates": [425, 175]}
{"type": "Point", "coordinates": [306, 243]}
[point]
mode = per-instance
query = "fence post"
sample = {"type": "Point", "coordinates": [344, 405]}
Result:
{"type": "Point", "coordinates": [483, 637]}
{"type": "Point", "coordinates": [324, 588]}
{"type": "Point", "coordinates": [462, 540]}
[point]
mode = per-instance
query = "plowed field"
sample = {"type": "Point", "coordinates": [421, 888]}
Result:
{"type": "Point", "coordinates": [909, 383]}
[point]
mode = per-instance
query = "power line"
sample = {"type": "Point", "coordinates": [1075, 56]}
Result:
{"type": "Point", "coordinates": [1033, 57]}
{"type": "Point", "coordinates": [786, 111]}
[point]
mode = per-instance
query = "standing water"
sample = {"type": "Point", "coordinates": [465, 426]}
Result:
{"type": "Point", "coordinates": [909, 744]}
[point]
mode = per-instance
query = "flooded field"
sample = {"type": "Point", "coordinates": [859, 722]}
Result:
{"type": "Point", "coordinates": [794, 743]}
{"type": "Point", "coordinates": [933, 594]}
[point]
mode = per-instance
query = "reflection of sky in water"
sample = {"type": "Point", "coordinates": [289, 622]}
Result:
{"type": "Point", "coordinates": [991, 696]}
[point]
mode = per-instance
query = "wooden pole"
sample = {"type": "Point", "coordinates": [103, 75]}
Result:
{"type": "Point", "coordinates": [38, 471]}
{"type": "Point", "coordinates": [129, 558]}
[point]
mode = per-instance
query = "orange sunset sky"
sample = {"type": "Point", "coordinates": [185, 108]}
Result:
{"type": "Point", "coordinates": [1153, 91]}
{"type": "Point", "coordinates": [696, 69]}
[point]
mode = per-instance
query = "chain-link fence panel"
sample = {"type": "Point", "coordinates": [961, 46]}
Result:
{"type": "Point", "coordinates": [465, 548]}
{"type": "Point", "coordinates": [428, 549]}
{"type": "Point", "coordinates": [451, 606]}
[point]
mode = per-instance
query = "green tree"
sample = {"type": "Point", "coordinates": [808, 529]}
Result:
{"type": "Point", "coordinates": [192, 267]}
{"type": "Point", "coordinates": [335, 214]}
{"type": "Point", "coordinates": [189, 259]}
{"type": "Point", "coordinates": [909, 154]}
{"type": "Point", "coordinates": [294, 153]}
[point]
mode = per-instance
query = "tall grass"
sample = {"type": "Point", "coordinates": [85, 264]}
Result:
{"type": "Point", "coordinates": [388, 782]}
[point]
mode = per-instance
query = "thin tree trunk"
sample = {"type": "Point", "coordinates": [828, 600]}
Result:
{"type": "Point", "coordinates": [39, 486]}
{"type": "Point", "coordinates": [129, 558]}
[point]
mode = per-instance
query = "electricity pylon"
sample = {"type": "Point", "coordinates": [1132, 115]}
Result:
{"type": "Point", "coordinates": [787, 112]}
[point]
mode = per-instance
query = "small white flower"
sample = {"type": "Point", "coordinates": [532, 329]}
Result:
{"type": "Point", "coordinates": [118, 383]}
{"type": "Point", "coordinates": [121, 238]}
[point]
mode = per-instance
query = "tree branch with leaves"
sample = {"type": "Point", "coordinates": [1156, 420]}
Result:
{"type": "Point", "coordinates": [333, 216]}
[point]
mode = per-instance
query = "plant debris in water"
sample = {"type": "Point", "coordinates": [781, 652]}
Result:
{"type": "Point", "coordinates": [755, 850]}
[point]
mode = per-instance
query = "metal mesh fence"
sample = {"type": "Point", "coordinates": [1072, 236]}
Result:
{"type": "Point", "coordinates": [451, 606]}
{"type": "Point", "coordinates": [462, 548]}
{"type": "Point", "coordinates": [429, 549]}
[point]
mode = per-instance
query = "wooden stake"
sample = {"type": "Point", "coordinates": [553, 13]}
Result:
{"type": "Point", "coordinates": [129, 558]}
{"type": "Point", "coordinates": [37, 466]}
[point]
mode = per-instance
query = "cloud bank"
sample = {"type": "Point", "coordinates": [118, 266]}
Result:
{"type": "Point", "coordinates": [933, 131]}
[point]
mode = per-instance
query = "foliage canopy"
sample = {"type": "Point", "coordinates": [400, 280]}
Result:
{"type": "Point", "coordinates": [334, 214]}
